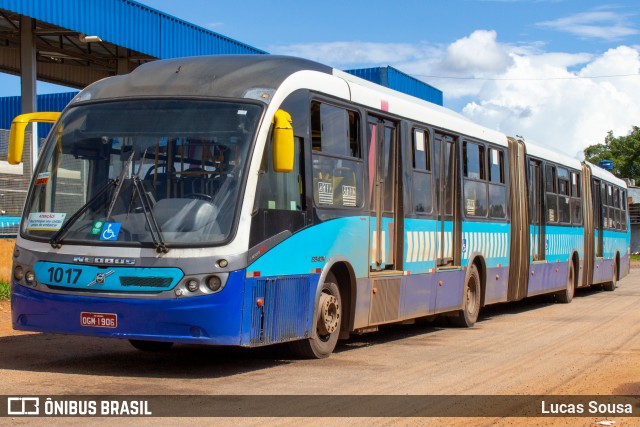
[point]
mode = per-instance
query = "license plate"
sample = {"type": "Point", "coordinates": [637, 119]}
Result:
{"type": "Point", "coordinates": [99, 320]}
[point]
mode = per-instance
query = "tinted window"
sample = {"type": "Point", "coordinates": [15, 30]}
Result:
{"type": "Point", "coordinates": [421, 150]}
{"type": "Point", "coordinates": [422, 195]}
{"type": "Point", "coordinates": [550, 178]}
{"type": "Point", "coordinates": [422, 201]}
{"type": "Point", "coordinates": [335, 130]}
{"type": "Point", "coordinates": [337, 168]}
{"type": "Point", "coordinates": [475, 198]}
{"type": "Point", "coordinates": [497, 207]}
{"type": "Point", "coordinates": [496, 165]}
{"type": "Point", "coordinates": [473, 161]}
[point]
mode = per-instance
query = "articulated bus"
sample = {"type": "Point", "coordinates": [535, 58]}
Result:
{"type": "Point", "coordinates": [254, 200]}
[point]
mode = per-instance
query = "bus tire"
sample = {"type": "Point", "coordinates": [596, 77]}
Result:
{"type": "Point", "coordinates": [565, 296]}
{"type": "Point", "coordinates": [468, 316]}
{"type": "Point", "coordinates": [151, 346]}
{"type": "Point", "coordinates": [328, 321]}
{"type": "Point", "coordinates": [610, 287]}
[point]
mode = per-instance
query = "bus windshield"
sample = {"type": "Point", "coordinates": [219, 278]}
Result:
{"type": "Point", "coordinates": [142, 172]}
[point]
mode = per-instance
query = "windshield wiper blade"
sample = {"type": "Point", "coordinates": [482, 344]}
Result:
{"type": "Point", "coordinates": [147, 210]}
{"type": "Point", "coordinates": [123, 172]}
{"type": "Point", "coordinates": [55, 239]}
{"type": "Point", "coordinates": [149, 216]}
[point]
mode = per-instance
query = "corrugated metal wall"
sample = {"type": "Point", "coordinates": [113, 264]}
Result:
{"type": "Point", "coordinates": [131, 25]}
{"type": "Point", "coordinates": [10, 108]}
{"type": "Point", "coordinates": [397, 80]}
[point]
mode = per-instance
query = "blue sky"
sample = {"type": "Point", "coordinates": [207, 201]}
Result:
{"type": "Point", "coordinates": [267, 24]}
{"type": "Point", "coordinates": [533, 67]}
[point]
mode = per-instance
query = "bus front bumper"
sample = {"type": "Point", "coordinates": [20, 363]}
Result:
{"type": "Point", "coordinates": [213, 319]}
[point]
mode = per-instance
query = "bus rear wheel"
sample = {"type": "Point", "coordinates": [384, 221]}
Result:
{"type": "Point", "coordinates": [468, 316]}
{"type": "Point", "coordinates": [328, 322]}
{"type": "Point", "coordinates": [152, 346]}
{"type": "Point", "coordinates": [566, 295]}
{"type": "Point", "coordinates": [610, 287]}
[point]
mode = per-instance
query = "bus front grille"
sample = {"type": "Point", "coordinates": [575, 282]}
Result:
{"type": "Point", "coordinates": [145, 282]}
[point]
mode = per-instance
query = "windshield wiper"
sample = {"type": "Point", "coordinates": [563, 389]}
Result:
{"type": "Point", "coordinates": [147, 210]}
{"type": "Point", "coordinates": [123, 172]}
{"type": "Point", "coordinates": [55, 239]}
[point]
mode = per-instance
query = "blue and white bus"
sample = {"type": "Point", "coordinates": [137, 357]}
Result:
{"type": "Point", "coordinates": [253, 200]}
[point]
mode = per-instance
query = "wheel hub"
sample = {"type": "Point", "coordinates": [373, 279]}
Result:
{"type": "Point", "coordinates": [329, 316]}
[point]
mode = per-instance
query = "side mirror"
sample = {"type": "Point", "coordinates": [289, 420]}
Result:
{"type": "Point", "coordinates": [18, 127]}
{"type": "Point", "coordinates": [283, 147]}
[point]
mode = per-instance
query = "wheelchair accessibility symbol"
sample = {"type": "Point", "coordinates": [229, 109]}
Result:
{"type": "Point", "coordinates": [110, 231]}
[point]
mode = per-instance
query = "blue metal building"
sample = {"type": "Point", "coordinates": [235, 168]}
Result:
{"type": "Point", "coordinates": [76, 42]}
{"type": "Point", "coordinates": [397, 80]}
{"type": "Point", "coordinates": [10, 108]}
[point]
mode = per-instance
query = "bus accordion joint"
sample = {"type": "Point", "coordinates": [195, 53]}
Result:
{"type": "Point", "coordinates": [283, 152]}
{"type": "Point", "coordinates": [18, 127]}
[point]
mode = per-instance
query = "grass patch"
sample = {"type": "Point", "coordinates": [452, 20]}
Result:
{"type": "Point", "coordinates": [5, 290]}
{"type": "Point", "coordinates": [635, 257]}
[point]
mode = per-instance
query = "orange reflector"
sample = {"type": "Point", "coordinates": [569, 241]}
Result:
{"type": "Point", "coordinates": [260, 302]}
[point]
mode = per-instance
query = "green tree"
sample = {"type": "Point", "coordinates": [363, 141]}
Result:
{"type": "Point", "coordinates": [624, 151]}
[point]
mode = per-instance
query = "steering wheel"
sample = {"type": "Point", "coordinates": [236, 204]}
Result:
{"type": "Point", "coordinates": [199, 196]}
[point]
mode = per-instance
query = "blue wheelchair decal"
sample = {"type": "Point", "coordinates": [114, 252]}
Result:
{"type": "Point", "coordinates": [110, 231]}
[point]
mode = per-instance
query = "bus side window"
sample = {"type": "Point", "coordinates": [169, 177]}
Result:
{"type": "Point", "coordinates": [551, 190]}
{"type": "Point", "coordinates": [623, 201]}
{"type": "Point", "coordinates": [422, 195]}
{"type": "Point", "coordinates": [564, 203]}
{"type": "Point", "coordinates": [475, 185]}
{"type": "Point", "coordinates": [576, 199]}
{"type": "Point", "coordinates": [497, 191]}
{"type": "Point", "coordinates": [336, 156]}
{"type": "Point", "coordinates": [609, 203]}
{"type": "Point", "coordinates": [282, 191]}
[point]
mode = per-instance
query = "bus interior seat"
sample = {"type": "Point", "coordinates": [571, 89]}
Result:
{"type": "Point", "coordinates": [184, 215]}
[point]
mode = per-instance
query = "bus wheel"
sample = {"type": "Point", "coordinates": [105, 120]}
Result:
{"type": "Point", "coordinates": [327, 324]}
{"type": "Point", "coordinates": [614, 279]}
{"type": "Point", "coordinates": [469, 314]}
{"type": "Point", "coordinates": [153, 346]}
{"type": "Point", "coordinates": [566, 295]}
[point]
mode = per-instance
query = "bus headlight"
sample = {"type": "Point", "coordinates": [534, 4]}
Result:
{"type": "Point", "coordinates": [214, 283]}
{"type": "Point", "coordinates": [192, 285]}
{"type": "Point", "coordinates": [30, 278]}
{"type": "Point", "coordinates": [18, 273]}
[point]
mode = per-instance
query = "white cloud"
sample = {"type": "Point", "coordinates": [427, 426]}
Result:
{"type": "Point", "coordinates": [548, 97]}
{"type": "Point", "coordinates": [541, 100]}
{"type": "Point", "coordinates": [599, 24]}
{"type": "Point", "coordinates": [462, 56]}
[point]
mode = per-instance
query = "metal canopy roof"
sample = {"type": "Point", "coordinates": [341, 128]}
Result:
{"type": "Point", "coordinates": [130, 33]}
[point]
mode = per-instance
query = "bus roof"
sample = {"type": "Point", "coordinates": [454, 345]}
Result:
{"type": "Point", "coordinates": [248, 76]}
{"type": "Point", "coordinates": [605, 175]}
{"type": "Point", "coordinates": [226, 76]}
{"type": "Point", "coordinates": [372, 95]}
{"type": "Point", "coordinates": [554, 156]}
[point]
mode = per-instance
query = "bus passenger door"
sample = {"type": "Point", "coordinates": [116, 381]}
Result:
{"type": "Point", "coordinates": [382, 137]}
{"type": "Point", "coordinates": [448, 227]}
{"type": "Point", "coordinates": [536, 211]}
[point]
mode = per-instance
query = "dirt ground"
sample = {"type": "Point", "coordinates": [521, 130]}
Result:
{"type": "Point", "coordinates": [6, 254]}
{"type": "Point", "coordinates": [534, 347]}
